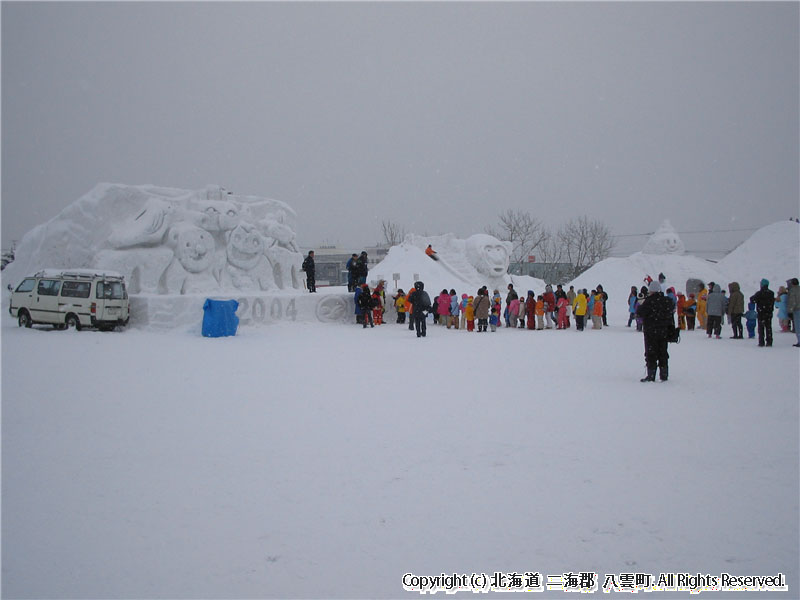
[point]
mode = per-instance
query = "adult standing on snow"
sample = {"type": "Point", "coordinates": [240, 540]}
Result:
{"type": "Point", "coordinates": [351, 268]}
{"type": "Point", "coordinates": [715, 308]}
{"type": "Point", "coordinates": [657, 323]}
{"type": "Point", "coordinates": [736, 310]}
{"type": "Point", "coordinates": [482, 306]}
{"type": "Point", "coordinates": [793, 306]}
{"type": "Point", "coordinates": [765, 304]}
{"type": "Point", "coordinates": [309, 268]}
{"type": "Point", "coordinates": [421, 303]}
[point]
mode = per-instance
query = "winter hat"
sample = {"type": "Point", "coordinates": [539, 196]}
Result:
{"type": "Point", "coordinates": [654, 287]}
{"type": "Point", "coordinates": [464, 296]}
{"type": "Point", "coordinates": [764, 283]}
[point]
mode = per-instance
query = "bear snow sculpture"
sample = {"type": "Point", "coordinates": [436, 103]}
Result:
{"type": "Point", "coordinates": [171, 241]}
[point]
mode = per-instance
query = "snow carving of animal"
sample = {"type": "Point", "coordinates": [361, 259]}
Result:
{"type": "Point", "coordinates": [246, 267]}
{"type": "Point", "coordinates": [191, 269]}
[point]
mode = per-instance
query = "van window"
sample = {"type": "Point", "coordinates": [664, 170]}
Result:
{"type": "Point", "coordinates": [48, 287]}
{"type": "Point", "coordinates": [111, 290]}
{"type": "Point", "coordinates": [76, 289]}
{"type": "Point", "coordinates": [27, 285]}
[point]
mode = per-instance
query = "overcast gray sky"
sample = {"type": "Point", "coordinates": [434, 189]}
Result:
{"type": "Point", "coordinates": [435, 116]}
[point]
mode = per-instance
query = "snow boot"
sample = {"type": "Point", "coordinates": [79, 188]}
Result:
{"type": "Point", "coordinates": [651, 376]}
{"type": "Point", "coordinates": [663, 373]}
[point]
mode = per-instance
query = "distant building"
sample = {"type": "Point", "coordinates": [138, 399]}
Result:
{"type": "Point", "coordinates": [549, 272]}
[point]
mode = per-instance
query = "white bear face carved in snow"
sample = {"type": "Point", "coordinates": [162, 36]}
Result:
{"type": "Point", "coordinates": [488, 255]}
{"type": "Point", "coordinates": [194, 248]}
{"type": "Point", "coordinates": [245, 247]}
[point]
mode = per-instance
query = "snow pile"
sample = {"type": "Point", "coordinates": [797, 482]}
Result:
{"type": "Point", "coordinates": [463, 265]}
{"type": "Point", "coordinates": [772, 252]}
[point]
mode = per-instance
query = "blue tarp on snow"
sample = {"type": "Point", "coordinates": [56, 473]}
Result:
{"type": "Point", "coordinates": [219, 318]}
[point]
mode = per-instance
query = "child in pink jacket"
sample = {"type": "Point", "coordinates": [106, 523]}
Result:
{"type": "Point", "coordinates": [561, 305]}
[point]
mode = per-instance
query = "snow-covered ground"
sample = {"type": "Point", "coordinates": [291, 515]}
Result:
{"type": "Point", "coordinates": [325, 460]}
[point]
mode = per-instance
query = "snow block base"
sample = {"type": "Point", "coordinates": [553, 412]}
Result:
{"type": "Point", "coordinates": [153, 311]}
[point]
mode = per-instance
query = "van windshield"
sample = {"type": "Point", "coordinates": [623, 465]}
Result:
{"type": "Point", "coordinates": [111, 290]}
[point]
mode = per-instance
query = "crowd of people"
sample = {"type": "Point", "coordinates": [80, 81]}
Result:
{"type": "Point", "coordinates": [709, 307]}
{"type": "Point", "coordinates": [659, 312]}
{"type": "Point", "coordinates": [483, 312]}
{"type": "Point", "coordinates": [655, 313]}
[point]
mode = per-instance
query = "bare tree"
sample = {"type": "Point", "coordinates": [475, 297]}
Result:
{"type": "Point", "coordinates": [584, 242]}
{"type": "Point", "coordinates": [525, 232]}
{"type": "Point", "coordinates": [393, 234]}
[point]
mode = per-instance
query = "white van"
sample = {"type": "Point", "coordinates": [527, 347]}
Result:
{"type": "Point", "coordinates": [72, 298]}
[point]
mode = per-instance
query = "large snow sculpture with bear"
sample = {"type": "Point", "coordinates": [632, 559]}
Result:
{"type": "Point", "coordinates": [172, 242]}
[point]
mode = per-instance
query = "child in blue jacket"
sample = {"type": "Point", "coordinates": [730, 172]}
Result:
{"type": "Point", "coordinates": [494, 319]}
{"type": "Point", "coordinates": [751, 317]}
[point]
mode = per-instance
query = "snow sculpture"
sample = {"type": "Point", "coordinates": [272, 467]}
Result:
{"type": "Point", "coordinates": [169, 241]}
{"type": "Point", "coordinates": [664, 241]}
{"type": "Point", "coordinates": [190, 268]}
{"type": "Point", "coordinates": [488, 255]}
{"type": "Point", "coordinates": [481, 258]}
{"type": "Point", "coordinates": [247, 267]}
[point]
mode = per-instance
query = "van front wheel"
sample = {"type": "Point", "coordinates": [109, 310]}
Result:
{"type": "Point", "coordinates": [72, 322]}
{"type": "Point", "coordinates": [24, 319]}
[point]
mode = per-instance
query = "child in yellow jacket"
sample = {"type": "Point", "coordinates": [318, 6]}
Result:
{"type": "Point", "coordinates": [470, 314]}
{"type": "Point", "coordinates": [400, 305]}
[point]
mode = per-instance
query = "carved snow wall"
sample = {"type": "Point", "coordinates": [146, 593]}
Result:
{"type": "Point", "coordinates": [169, 241]}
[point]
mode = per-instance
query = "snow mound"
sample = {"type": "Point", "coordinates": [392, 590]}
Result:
{"type": "Point", "coordinates": [772, 252]}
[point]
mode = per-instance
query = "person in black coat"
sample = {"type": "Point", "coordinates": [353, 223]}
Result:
{"type": "Point", "coordinates": [309, 268]}
{"type": "Point", "coordinates": [765, 304]}
{"type": "Point", "coordinates": [361, 269]}
{"type": "Point", "coordinates": [351, 277]}
{"type": "Point", "coordinates": [421, 304]}
{"type": "Point", "coordinates": [657, 322]}
{"type": "Point", "coordinates": [365, 304]}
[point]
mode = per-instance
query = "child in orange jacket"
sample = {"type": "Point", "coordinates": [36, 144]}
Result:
{"type": "Point", "coordinates": [539, 310]}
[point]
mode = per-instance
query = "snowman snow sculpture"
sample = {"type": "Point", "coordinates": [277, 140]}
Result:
{"type": "Point", "coordinates": [665, 240]}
